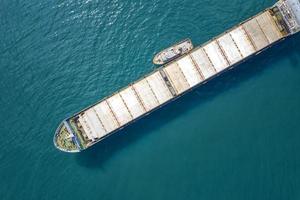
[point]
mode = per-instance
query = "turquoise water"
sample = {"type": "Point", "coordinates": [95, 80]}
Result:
{"type": "Point", "coordinates": [237, 137]}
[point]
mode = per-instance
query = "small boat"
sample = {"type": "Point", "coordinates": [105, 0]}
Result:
{"type": "Point", "coordinates": [173, 52]}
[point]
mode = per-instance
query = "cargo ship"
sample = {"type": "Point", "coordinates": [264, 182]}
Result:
{"type": "Point", "coordinates": [179, 76]}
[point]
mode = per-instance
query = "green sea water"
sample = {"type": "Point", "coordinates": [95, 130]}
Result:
{"type": "Point", "coordinates": [236, 137]}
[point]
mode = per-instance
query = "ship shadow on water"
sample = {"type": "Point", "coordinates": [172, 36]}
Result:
{"type": "Point", "coordinates": [99, 154]}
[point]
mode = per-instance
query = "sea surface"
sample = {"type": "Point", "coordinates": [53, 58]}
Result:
{"type": "Point", "coordinates": [236, 137]}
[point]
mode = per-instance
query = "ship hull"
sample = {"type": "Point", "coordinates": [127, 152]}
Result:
{"type": "Point", "coordinates": [80, 130]}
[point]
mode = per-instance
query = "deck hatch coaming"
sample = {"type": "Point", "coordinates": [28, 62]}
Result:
{"type": "Point", "coordinates": [242, 41]}
{"type": "Point", "coordinates": [95, 123]}
{"type": "Point", "coordinates": [159, 87]}
{"type": "Point", "coordinates": [203, 63]}
{"type": "Point", "coordinates": [119, 109]}
{"type": "Point", "coordinates": [131, 100]}
{"type": "Point", "coordinates": [268, 27]}
{"type": "Point", "coordinates": [189, 70]}
{"type": "Point", "coordinates": [106, 116]}
{"type": "Point", "coordinates": [146, 94]}
{"type": "Point", "coordinates": [216, 56]}
{"type": "Point", "coordinates": [176, 77]}
{"type": "Point", "coordinates": [230, 49]}
{"type": "Point", "coordinates": [256, 34]}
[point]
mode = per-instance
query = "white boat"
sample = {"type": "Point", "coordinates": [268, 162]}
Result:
{"type": "Point", "coordinates": [173, 52]}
